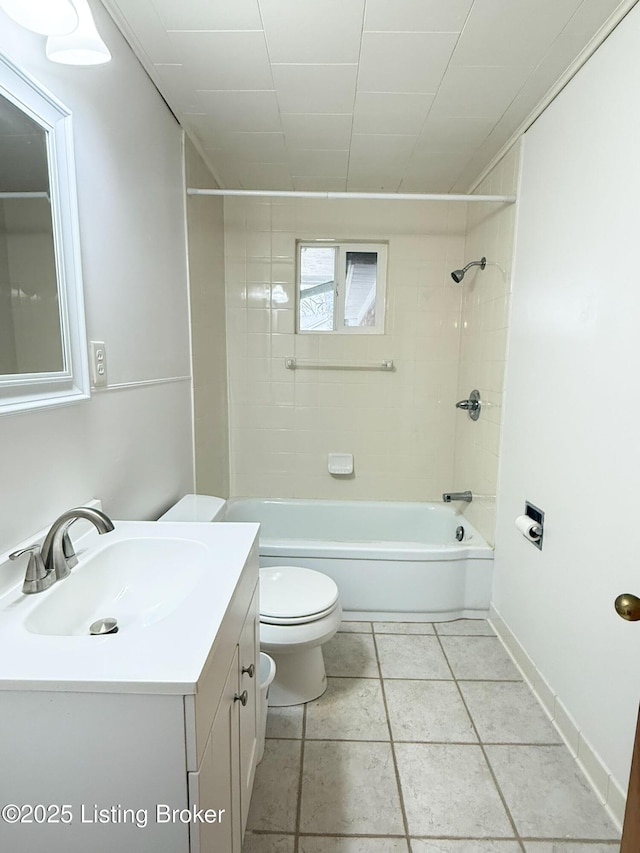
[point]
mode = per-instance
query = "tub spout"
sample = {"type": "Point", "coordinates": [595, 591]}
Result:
{"type": "Point", "coordinates": [447, 497]}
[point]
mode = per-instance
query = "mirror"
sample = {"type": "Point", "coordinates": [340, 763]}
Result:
{"type": "Point", "coordinates": [42, 337]}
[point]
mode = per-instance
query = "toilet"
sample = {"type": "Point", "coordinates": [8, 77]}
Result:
{"type": "Point", "coordinates": [299, 612]}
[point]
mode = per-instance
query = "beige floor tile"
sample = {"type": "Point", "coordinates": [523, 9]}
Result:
{"type": "Point", "coordinates": [448, 791]}
{"type": "Point", "coordinates": [349, 788]}
{"type": "Point", "coordinates": [355, 628]}
{"type": "Point", "coordinates": [316, 844]}
{"type": "Point", "coordinates": [404, 656]}
{"type": "Point", "coordinates": [507, 712]}
{"type": "Point", "coordinates": [569, 847]}
{"type": "Point", "coordinates": [255, 843]}
{"type": "Point", "coordinates": [428, 711]}
{"type": "Point", "coordinates": [285, 722]}
{"type": "Point", "coordinates": [403, 628]}
{"type": "Point", "coordinates": [436, 845]}
{"type": "Point", "coordinates": [479, 658]}
{"type": "Point", "coordinates": [275, 792]}
{"type": "Point", "coordinates": [547, 794]}
{"type": "Point", "coordinates": [351, 655]}
{"type": "Point", "coordinates": [350, 709]}
{"type": "Point", "coordinates": [465, 628]}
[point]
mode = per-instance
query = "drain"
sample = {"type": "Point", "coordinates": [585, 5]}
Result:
{"type": "Point", "coordinates": [109, 625]}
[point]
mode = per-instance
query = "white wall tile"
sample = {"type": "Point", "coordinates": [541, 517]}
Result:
{"type": "Point", "coordinates": [311, 412]}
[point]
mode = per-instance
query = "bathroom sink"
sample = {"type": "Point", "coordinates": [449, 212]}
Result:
{"type": "Point", "coordinates": [136, 581]}
{"type": "Point", "coordinates": [169, 585]}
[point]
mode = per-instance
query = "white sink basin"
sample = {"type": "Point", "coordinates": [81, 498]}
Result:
{"type": "Point", "coordinates": [168, 584]}
{"type": "Point", "coordinates": [136, 581]}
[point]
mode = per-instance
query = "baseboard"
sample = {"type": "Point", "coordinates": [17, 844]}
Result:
{"type": "Point", "coordinates": [594, 769]}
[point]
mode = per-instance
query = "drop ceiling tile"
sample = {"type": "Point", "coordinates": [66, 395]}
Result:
{"type": "Point", "coordinates": [265, 176]}
{"type": "Point", "coordinates": [387, 153]}
{"type": "Point", "coordinates": [427, 16]}
{"type": "Point", "coordinates": [315, 184]}
{"type": "Point", "coordinates": [323, 130]}
{"type": "Point", "coordinates": [453, 134]}
{"type": "Point", "coordinates": [313, 32]}
{"type": "Point", "coordinates": [404, 62]}
{"type": "Point", "coordinates": [143, 29]}
{"type": "Point", "coordinates": [212, 15]}
{"type": "Point", "coordinates": [372, 182]}
{"type": "Point", "coordinates": [511, 33]}
{"type": "Point", "coordinates": [434, 167]}
{"type": "Point", "coordinates": [320, 163]}
{"type": "Point", "coordinates": [248, 111]}
{"type": "Point", "coordinates": [478, 91]}
{"type": "Point", "coordinates": [588, 19]}
{"type": "Point", "coordinates": [377, 112]}
{"type": "Point", "coordinates": [315, 88]}
{"type": "Point", "coordinates": [177, 88]}
{"type": "Point", "coordinates": [253, 147]}
{"type": "Point", "coordinates": [480, 158]}
{"type": "Point", "coordinates": [223, 168]}
{"type": "Point", "coordinates": [212, 59]}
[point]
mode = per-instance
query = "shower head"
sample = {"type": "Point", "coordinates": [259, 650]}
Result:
{"type": "Point", "coordinates": [458, 275]}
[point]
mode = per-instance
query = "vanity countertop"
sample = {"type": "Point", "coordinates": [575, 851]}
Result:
{"type": "Point", "coordinates": [161, 651]}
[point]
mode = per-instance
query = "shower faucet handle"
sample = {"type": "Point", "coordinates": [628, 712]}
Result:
{"type": "Point", "coordinates": [472, 405]}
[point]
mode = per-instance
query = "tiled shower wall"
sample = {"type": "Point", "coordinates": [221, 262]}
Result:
{"type": "Point", "coordinates": [408, 440]}
{"type": "Point", "coordinates": [485, 317]}
{"type": "Point", "coordinates": [400, 426]}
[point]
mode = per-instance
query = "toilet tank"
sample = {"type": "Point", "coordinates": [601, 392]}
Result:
{"type": "Point", "coordinates": [195, 508]}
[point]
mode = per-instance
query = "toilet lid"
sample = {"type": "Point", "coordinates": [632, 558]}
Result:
{"type": "Point", "coordinates": [291, 592]}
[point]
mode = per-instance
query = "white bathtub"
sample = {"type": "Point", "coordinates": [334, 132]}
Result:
{"type": "Point", "coordinates": [397, 561]}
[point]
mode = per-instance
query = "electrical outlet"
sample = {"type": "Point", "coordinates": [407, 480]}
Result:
{"type": "Point", "coordinates": [98, 358]}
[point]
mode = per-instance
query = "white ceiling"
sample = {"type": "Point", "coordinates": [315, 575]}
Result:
{"type": "Point", "coordinates": [360, 95]}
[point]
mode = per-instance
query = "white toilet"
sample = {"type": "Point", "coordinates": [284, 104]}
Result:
{"type": "Point", "coordinates": [299, 611]}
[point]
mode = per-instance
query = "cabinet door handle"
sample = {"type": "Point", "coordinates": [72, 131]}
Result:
{"type": "Point", "coordinates": [243, 697]}
{"type": "Point", "coordinates": [249, 670]}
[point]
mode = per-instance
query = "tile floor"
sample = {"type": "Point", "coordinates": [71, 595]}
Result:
{"type": "Point", "coordinates": [426, 741]}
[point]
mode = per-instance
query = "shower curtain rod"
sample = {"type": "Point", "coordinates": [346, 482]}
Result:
{"type": "Point", "coordinates": [505, 199]}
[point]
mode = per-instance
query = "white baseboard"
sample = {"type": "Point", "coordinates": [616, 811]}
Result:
{"type": "Point", "coordinates": [594, 769]}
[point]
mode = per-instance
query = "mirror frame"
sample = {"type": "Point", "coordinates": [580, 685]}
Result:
{"type": "Point", "coordinates": [23, 392]}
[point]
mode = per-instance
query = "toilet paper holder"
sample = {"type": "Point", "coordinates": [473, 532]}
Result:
{"type": "Point", "coordinates": [537, 515]}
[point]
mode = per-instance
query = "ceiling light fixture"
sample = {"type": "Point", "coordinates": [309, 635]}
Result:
{"type": "Point", "coordinates": [46, 17]}
{"type": "Point", "coordinates": [83, 46]}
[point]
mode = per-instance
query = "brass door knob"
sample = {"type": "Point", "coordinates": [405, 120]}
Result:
{"type": "Point", "coordinates": [628, 607]}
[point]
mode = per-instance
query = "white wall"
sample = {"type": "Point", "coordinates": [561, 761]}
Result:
{"type": "Point", "coordinates": [400, 426]}
{"type": "Point", "coordinates": [572, 412]}
{"type": "Point", "coordinates": [130, 446]}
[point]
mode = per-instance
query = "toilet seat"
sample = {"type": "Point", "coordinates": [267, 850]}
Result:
{"type": "Point", "coordinates": [292, 595]}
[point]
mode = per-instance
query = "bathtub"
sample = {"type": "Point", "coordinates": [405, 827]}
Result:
{"type": "Point", "coordinates": [393, 561]}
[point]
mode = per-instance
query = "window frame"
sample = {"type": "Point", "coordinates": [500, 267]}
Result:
{"type": "Point", "coordinates": [381, 248]}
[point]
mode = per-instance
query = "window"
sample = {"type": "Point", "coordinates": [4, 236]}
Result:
{"type": "Point", "coordinates": [341, 287]}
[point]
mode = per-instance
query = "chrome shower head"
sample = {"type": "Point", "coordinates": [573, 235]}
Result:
{"type": "Point", "coordinates": [458, 275]}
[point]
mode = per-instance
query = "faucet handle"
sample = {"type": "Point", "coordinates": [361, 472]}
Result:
{"type": "Point", "coordinates": [37, 578]}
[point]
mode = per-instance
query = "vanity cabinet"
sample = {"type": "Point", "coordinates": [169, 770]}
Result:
{"type": "Point", "coordinates": [225, 774]}
{"type": "Point", "coordinates": [139, 765]}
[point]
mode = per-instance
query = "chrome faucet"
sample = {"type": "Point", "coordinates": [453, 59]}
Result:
{"type": "Point", "coordinates": [467, 496]}
{"type": "Point", "coordinates": [57, 551]}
